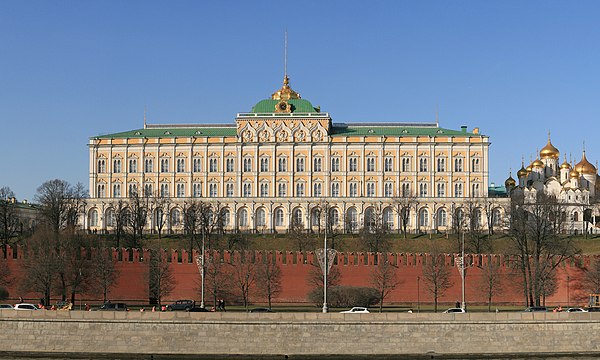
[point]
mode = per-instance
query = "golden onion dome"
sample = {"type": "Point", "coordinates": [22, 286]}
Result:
{"type": "Point", "coordinates": [529, 168]}
{"type": "Point", "coordinates": [510, 182]}
{"type": "Point", "coordinates": [585, 167]}
{"type": "Point", "coordinates": [565, 165]}
{"type": "Point", "coordinates": [522, 172]}
{"type": "Point", "coordinates": [574, 173]}
{"type": "Point", "coordinates": [549, 151]}
{"type": "Point", "coordinates": [537, 163]}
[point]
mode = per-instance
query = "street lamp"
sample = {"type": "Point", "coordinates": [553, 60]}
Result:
{"type": "Point", "coordinates": [325, 267]}
{"type": "Point", "coordinates": [418, 294]}
{"type": "Point", "coordinates": [202, 272]}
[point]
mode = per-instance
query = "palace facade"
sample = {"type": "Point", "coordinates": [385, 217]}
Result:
{"type": "Point", "coordinates": [286, 160]}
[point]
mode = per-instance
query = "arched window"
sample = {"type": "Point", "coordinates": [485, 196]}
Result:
{"type": "Point", "coordinates": [334, 217]}
{"type": "Point", "coordinates": [175, 217]}
{"type": "Point", "coordinates": [243, 218]}
{"type": "Point", "coordinates": [93, 217]}
{"type": "Point", "coordinates": [352, 219]}
{"type": "Point", "coordinates": [423, 218]}
{"type": "Point", "coordinates": [225, 217]}
{"type": "Point", "coordinates": [442, 217]}
{"type": "Point", "coordinates": [370, 220]}
{"type": "Point", "coordinates": [261, 217]}
{"type": "Point", "coordinates": [297, 217]}
{"type": "Point", "coordinates": [496, 217]}
{"type": "Point", "coordinates": [110, 217]}
{"type": "Point", "coordinates": [388, 218]}
{"type": "Point", "coordinates": [279, 217]}
{"type": "Point", "coordinates": [315, 218]}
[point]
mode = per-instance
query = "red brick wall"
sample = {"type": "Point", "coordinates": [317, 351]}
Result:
{"type": "Point", "coordinates": [355, 269]}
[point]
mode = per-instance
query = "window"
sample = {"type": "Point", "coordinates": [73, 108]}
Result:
{"type": "Point", "coordinates": [133, 189]}
{"type": "Point", "coordinates": [261, 217]}
{"type": "Point", "coordinates": [101, 191]}
{"type": "Point", "coordinates": [388, 164]}
{"type": "Point", "coordinates": [164, 165]}
{"type": "Point", "coordinates": [243, 218]}
{"type": "Point", "coordinates": [406, 189]}
{"type": "Point", "coordinates": [423, 165]}
{"type": "Point", "coordinates": [213, 165]}
{"type": "Point", "coordinates": [148, 191]}
{"type": "Point", "coordinates": [441, 189]}
{"type": "Point", "coordinates": [117, 165]}
{"type": "Point", "coordinates": [458, 165]}
{"type": "Point", "coordinates": [297, 217]}
{"type": "Point", "coordinates": [300, 189]}
{"type": "Point", "coordinates": [149, 165]}
{"type": "Point", "coordinates": [229, 165]}
{"type": "Point", "coordinates": [197, 164]}
{"type": "Point", "coordinates": [282, 164]}
{"type": "Point", "coordinates": [247, 164]}
{"type": "Point", "coordinates": [213, 190]}
{"type": "Point", "coordinates": [370, 189]}
{"type": "Point", "coordinates": [496, 217]}
{"type": "Point", "coordinates": [264, 164]}
{"type": "Point", "coordinates": [133, 165]}
{"type": "Point", "coordinates": [300, 164]}
{"type": "Point", "coordinates": [475, 190]}
{"type": "Point", "coordinates": [423, 218]}
{"type": "Point", "coordinates": [475, 164]}
{"type": "Point", "coordinates": [405, 164]}
{"type": "Point", "coordinates": [458, 190]}
{"type": "Point", "coordinates": [422, 190]}
{"type": "Point", "coordinates": [334, 217]}
{"type": "Point", "coordinates": [370, 164]}
{"type": "Point", "coordinates": [175, 217]}
{"type": "Point", "coordinates": [353, 189]}
{"type": "Point", "coordinates": [282, 190]}
{"type": "Point", "coordinates": [180, 190]}
{"type": "Point", "coordinates": [279, 217]}
{"type": "Point", "coordinates": [180, 165]}
{"type": "Point", "coordinates": [110, 217]}
{"type": "Point", "coordinates": [388, 218]}
{"type": "Point", "coordinates": [335, 189]}
{"type": "Point", "coordinates": [164, 190]}
{"type": "Point", "coordinates": [264, 189]}
{"type": "Point", "coordinates": [247, 190]}
{"type": "Point", "coordinates": [335, 164]}
{"type": "Point", "coordinates": [353, 164]}
{"type": "Point", "coordinates": [317, 189]}
{"type": "Point", "coordinates": [101, 166]}
{"type": "Point", "coordinates": [441, 164]}
{"type": "Point", "coordinates": [229, 189]}
{"type": "Point", "coordinates": [116, 190]}
{"type": "Point", "coordinates": [93, 218]}
{"type": "Point", "coordinates": [442, 217]}
{"type": "Point", "coordinates": [352, 219]}
{"type": "Point", "coordinates": [388, 189]}
{"type": "Point", "coordinates": [317, 162]}
{"type": "Point", "coordinates": [225, 217]}
{"type": "Point", "coordinates": [197, 190]}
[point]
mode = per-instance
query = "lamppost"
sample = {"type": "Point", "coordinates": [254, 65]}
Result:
{"type": "Point", "coordinates": [568, 297]}
{"type": "Point", "coordinates": [418, 294]}
{"type": "Point", "coordinates": [325, 267]}
{"type": "Point", "coordinates": [461, 268]}
{"type": "Point", "coordinates": [202, 271]}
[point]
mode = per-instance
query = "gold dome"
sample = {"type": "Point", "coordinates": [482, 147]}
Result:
{"type": "Point", "coordinates": [510, 182]}
{"type": "Point", "coordinates": [529, 168]}
{"type": "Point", "coordinates": [549, 151]}
{"type": "Point", "coordinates": [522, 172]}
{"type": "Point", "coordinates": [286, 92]}
{"type": "Point", "coordinates": [585, 167]}
{"type": "Point", "coordinates": [574, 173]}
{"type": "Point", "coordinates": [565, 165]}
{"type": "Point", "coordinates": [537, 163]}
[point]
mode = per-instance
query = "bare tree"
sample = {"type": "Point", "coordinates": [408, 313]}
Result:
{"type": "Point", "coordinates": [374, 232]}
{"type": "Point", "coordinates": [491, 281]}
{"type": "Point", "coordinates": [244, 277]}
{"type": "Point", "coordinates": [159, 207]}
{"type": "Point", "coordinates": [405, 201]}
{"type": "Point", "coordinates": [384, 278]}
{"type": "Point", "coordinates": [299, 236]}
{"type": "Point", "coordinates": [60, 203]}
{"type": "Point", "coordinates": [121, 218]}
{"type": "Point", "coordinates": [218, 278]}
{"type": "Point", "coordinates": [138, 216]}
{"type": "Point", "coordinates": [77, 263]}
{"type": "Point", "coordinates": [161, 280]}
{"type": "Point", "coordinates": [9, 219]}
{"type": "Point", "coordinates": [315, 277]}
{"type": "Point", "coordinates": [436, 274]}
{"type": "Point", "coordinates": [476, 239]}
{"type": "Point", "coordinates": [535, 230]}
{"type": "Point", "coordinates": [105, 274]}
{"type": "Point", "coordinates": [268, 279]}
{"type": "Point", "coordinates": [5, 278]}
{"type": "Point", "coordinates": [590, 281]}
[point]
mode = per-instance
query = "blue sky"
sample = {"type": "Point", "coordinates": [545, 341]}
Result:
{"type": "Point", "coordinates": [74, 69]}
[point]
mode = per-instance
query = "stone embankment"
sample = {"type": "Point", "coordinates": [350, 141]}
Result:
{"type": "Point", "coordinates": [297, 334]}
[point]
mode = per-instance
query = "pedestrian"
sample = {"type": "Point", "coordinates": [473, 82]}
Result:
{"type": "Point", "coordinates": [87, 307]}
{"type": "Point", "coordinates": [154, 309]}
{"type": "Point", "coordinates": [219, 305]}
{"type": "Point", "coordinates": [223, 305]}
{"type": "Point", "coordinates": [457, 304]}
{"type": "Point", "coordinates": [20, 300]}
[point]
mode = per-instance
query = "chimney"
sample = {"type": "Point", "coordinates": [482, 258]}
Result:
{"type": "Point", "coordinates": [476, 130]}
{"type": "Point", "coordinates": [464, 129]}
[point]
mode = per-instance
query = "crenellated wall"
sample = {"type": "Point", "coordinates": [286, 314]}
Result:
{"type": "Point", "coordinates": [356, 269]}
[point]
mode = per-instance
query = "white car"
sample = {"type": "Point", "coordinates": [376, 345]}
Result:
{"type": "Point", "coordinates": [6, 306]}
{"type": "Point", "coordinates": [576, 310]}
{"type": "Point", "coordinates": [455, 311]}
{"type": "Point", "coordinates": [356, 310]}
{"type": "Point", "coordinates": [26, 307]}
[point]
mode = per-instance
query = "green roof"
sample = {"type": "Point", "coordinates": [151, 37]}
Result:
{"type": "Point", "coordinates": [395, 130]}
{"type": "Point", "coordinates": [298, 105]}
{"type": "Point", "coordinates": [174, 132]}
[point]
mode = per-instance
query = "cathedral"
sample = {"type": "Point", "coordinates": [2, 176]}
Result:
{"type": "Point", "coordinates": [575, 186]}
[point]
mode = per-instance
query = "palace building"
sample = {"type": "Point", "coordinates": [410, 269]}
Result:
{"type": "Point", "coordinates": [286, 160]}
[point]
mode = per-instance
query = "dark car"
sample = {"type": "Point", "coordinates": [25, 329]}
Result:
{"type": "Point", "coordinates": [261, 310]}
{"type": "Point", "coordinates": [536, 309]}
{"type": "Point", "coordinates": [198, 309]}
{"type": "Point", "coordinates": [181, 305]}
{"type": "Point", "coordinates": [113, 307]}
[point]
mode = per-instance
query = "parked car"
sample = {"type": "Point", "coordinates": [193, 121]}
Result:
{"type": "Point", "coordinates": [455, 311]}
{"type": "Point", "coordinates": [356, 310]}
{"type": "Point", "coordinates": [6, 306]}
{"type": "Point", "coordinates": [181, 305]}
{"type": "Point", "coordinates": [261, 310]}
{"type": "Point", "coordinates": [198, 309]}
{"type": "Point", "coordinates": [113, 307]}
{"type": "Point", "coordinates": [578, 309]}
{"type": "Point", "coordinates": [536, 309]}
{"type": "Point", "coordinates": [24, 306]}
